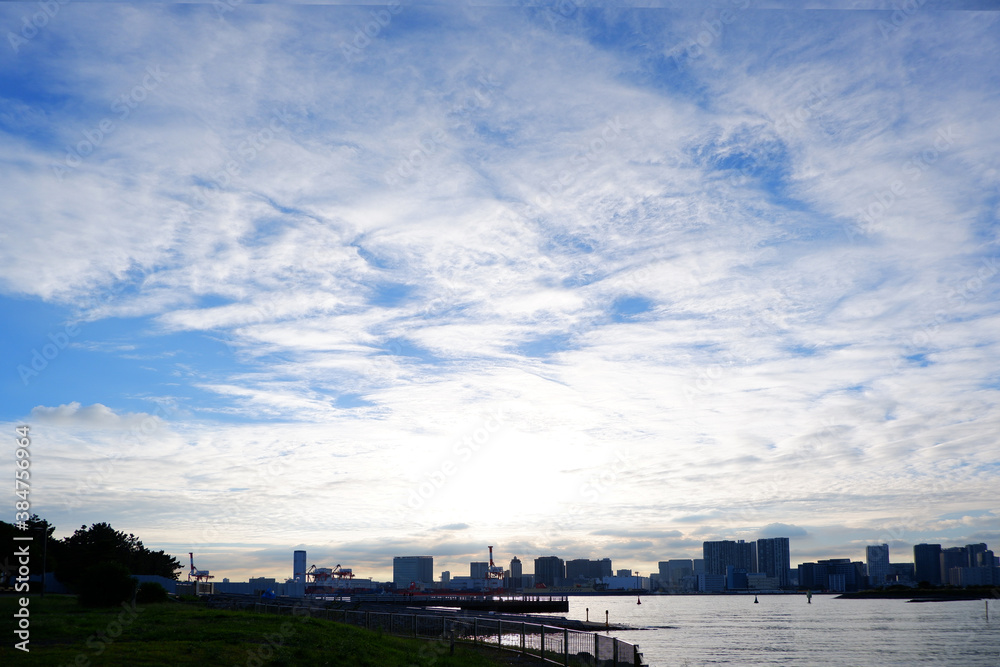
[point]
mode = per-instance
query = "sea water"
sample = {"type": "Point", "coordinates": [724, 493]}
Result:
{"type": "Point", "coordinates": [689, 630]}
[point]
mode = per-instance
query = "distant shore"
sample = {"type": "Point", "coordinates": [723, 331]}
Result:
{"type": "Point", "coordinates": [924, 594]}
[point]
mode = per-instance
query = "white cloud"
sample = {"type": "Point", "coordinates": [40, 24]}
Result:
{"type": "Point", "coordinates": [446, 225]}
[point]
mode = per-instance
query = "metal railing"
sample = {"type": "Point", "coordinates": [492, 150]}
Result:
{"type": "Point", "coordinates": [559, 646]}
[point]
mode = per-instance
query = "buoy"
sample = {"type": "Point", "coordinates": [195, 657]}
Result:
{"type": "Point", "coordinates": [755, 600]}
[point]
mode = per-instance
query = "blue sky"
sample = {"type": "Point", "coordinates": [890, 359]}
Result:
{"type": "Point", "coordinates": [560, 279]}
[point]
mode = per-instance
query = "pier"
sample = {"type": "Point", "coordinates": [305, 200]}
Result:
{"type": "Point", "coordinates": [513, 604]}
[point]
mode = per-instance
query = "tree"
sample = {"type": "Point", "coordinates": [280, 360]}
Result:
{"type": "Point", "coordinates": [101, 543]}
{"type": "Point", "coordinates": [36, 528]}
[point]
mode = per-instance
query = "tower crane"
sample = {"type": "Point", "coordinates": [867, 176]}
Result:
{"type": "Point", "coordinates": [199, 575]}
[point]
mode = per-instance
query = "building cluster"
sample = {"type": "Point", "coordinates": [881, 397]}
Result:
{"type": "Point", "coordinates": [550, 572]}
{"type": "Point", "coordinates": [764, 565]}
{"type": "Point", "coordinates": [727, 565]}
{"type": "Point", "coordinates": [971, 565]}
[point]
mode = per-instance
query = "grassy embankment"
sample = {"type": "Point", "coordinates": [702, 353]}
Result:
{"type": "Point", "coordinates": [174, 633]}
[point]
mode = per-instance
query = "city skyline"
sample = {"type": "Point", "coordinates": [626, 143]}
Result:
{"type": "Point", "coordinates": [417, 279]}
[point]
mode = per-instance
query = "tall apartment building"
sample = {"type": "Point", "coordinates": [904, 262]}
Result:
{"type": "Point", "coordinates": [741, 555]}
{"type": "Point", "coordinates": [773, 559]}
{"type": "Point", "coordinates": [952, 557]}
{"type": "Point", "coordinates": [515, 572]}
{"type": "Point", "coordinates": [582, 568]}
{"type": "Point", "coordinates": [549, 570]}
{"type": "Point", "coordinates": [877, 560]}
{"type": "Point", "coordinates": [412, 569]}
{"type": "Point", "coordinates": [927, 563]}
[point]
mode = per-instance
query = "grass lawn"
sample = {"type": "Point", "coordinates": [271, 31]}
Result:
{"type": "Point", "coordinates": [175, 633]}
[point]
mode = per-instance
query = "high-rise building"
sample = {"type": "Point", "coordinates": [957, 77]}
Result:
{"type": "Point", "coordinates": [677, 569]}
{"type": "Point", "coordinates": [408, 570]}
{"type": "Point", "coordinates": [584, 569]}
{"type": "Point", "coordinates": [741, 555]}
{"type": "Point", "coordinates": [515, 572]}
{"type": "Point", "coordinates": [979, 555]}
{"type": "Point", "coordinates": [927, 563]}
{"type": "Point", "coordinates": [877, 561]}
{"type": "Point", "coordinates": [843, 574]}
{"type": "Point", "coordinates": [952, 557]}
{"type": "Point", "coordinates": [549, 570]}
{"type": "Point", "coordinates": [773, 558]}
{"type": "Point", "coordinates": [299, 566]}
{"type": "Point", "coordinates": [478, 569]}
{"type": "Point", "coordinates": [812, 576]}
{"type": "Point", "coordinates": [446, 578]}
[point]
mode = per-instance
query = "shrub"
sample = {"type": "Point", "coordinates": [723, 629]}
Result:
{"type": "Point", "coordinates": [106, 585]}
{"type": "Point", "coordinates": [151, 592]}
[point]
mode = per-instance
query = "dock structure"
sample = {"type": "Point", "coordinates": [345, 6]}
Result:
{"type": "Point", "coordinates": [513, 604]}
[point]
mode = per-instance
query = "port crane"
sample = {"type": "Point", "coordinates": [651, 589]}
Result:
{"type": "Point", "coordinates": [199, 575]}
{"type": "Point", "coordinates": [324, 574]}
{"type": "Point", "coordinates": [494, 573]}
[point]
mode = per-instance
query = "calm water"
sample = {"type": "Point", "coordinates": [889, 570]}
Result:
{"type": "Point", "coordinates": [784, 630]}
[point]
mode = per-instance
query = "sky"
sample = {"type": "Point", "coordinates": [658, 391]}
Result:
{"type": "Point", "coordinates": [562, 278]}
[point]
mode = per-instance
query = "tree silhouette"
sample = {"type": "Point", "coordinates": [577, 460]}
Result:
{"type": "Point", "coordinates": [101, 543]}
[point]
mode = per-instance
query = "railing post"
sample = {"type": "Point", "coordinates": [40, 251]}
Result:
{"type": "Point", "coordinates": [414, 625]}
{"type": "Point", "coordinates": [566, 646]}
{"type": "Point", "coordinates": [543, 641]}
{"type": "Point", "coordinates": [522, 637]}
{"type": "Point", "coordinates": [475, 630]}
{"type": "Point", "coordinates": [499, 634]}
{"type": "Point", "coordinates": [614, 650]}
{"type": "Point", "coordinates": [597, 643]}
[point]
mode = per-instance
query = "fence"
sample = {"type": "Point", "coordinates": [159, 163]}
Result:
{"type": "Point", "coordinates": [559, 646]}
